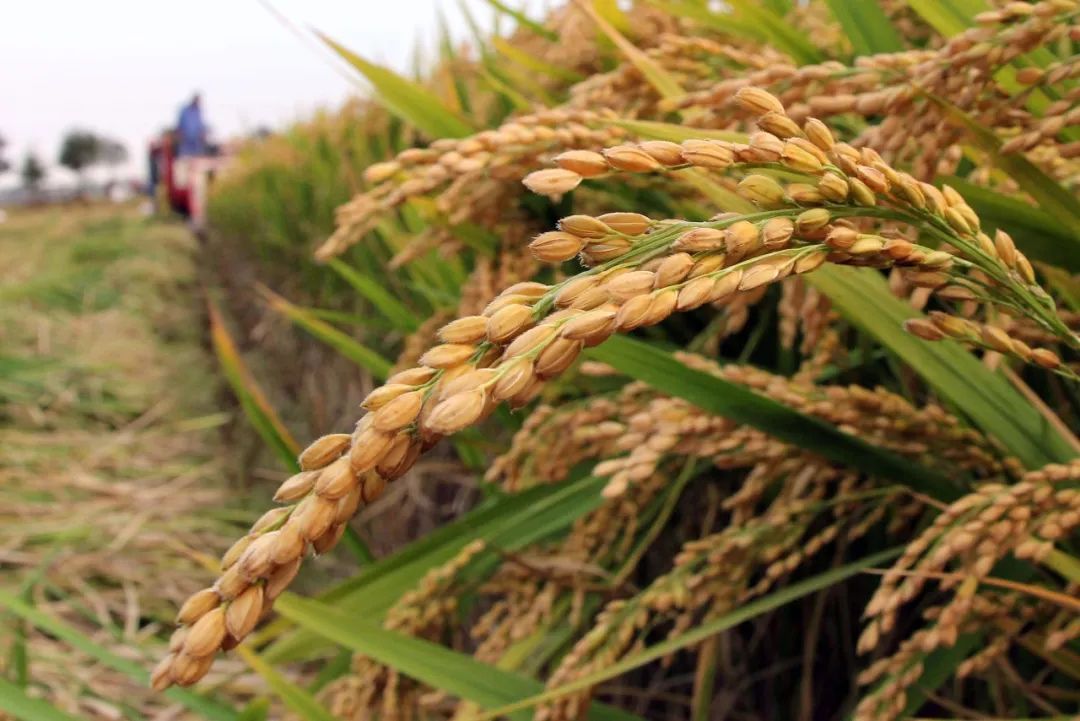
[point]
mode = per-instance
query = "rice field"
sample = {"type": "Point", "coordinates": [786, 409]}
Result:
{"type": "Point", "coordinates": [682, 361]}
{"type": "Point", "coordinates": [113, 484]}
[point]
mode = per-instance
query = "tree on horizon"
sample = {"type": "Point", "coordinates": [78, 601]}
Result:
{"type": "Point", "coordinates": [83, 149]}
{"type": "Point", "coordinates": [5, 164]}
{"type": "Point", "coordinates": [79, 150]}
{"type": "Point", "coordinates": [111, 153]}
{"type": "Point", "coordinates": [32, 173]}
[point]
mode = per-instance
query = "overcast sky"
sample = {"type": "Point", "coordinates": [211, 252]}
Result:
{"type": "Point", "coordinates": [124, 67]}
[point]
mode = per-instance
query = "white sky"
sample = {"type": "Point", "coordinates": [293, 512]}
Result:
{"type": "Point", "coordinates": [124, 67]}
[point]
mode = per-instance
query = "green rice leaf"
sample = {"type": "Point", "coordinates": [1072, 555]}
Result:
{"type": "Point", "coordinates": [777, 30]}
{"type": "Point", "coordinates": [780, 7]}
{"type": "Point", "coordinates": [1035, 232]}
{"type": "Point", "coordinates": [524, 79]}
{"type": "Point", "coordinates": [721, 22]}
{"type": "Point", "coordinates": [14, 701]}
{"type": "Point", "coordinates": [1057, 202]}
{"type": "Point", "coordinates": [377, 294]}
{"type": "Point", "coordinates": [655, 130]}
{"type": "Point", "coordinates": [489, 73]}
{"type": "Point", "coordinates": [434, 665]}
{"type": "Point", "coordinates": [455, 88]}
{"type": "Point", "coordinates": [341, 342]}
{"type": "Point", "coordinates": [866, 26]}
{"type": "Point", "coordinates": [253, 401]}
{"type": "Point", "coordinates": [507, 522]}
{"type": "Point", "coordinates": [699, 633]}
{"type": "Point", "coordinates": [610, 11]}
{"type": "Point", "coordinates": [663, 371]}
{"type": "Point", "coordinates": [355, 545]}
{"type": "Point", "coordinates": [531, 62]}
{"type": "Point", "coordinates": [937, 668]}
{"type": "Point", "coordinates": [760, 22]}
{"type": "Point", "coordinates": [477, 34]}
{"type": "Point", "coordinates": [948, 17]}
{"type": "Point", "coordinates": [524, 20]}
{"type": "Point", "coordinates": [476, 236]}
{"type": "Point", "coordinates": [404, 98]}
{"type": "Point", "coordinates": [302, 703]}
{"type": "Point", "coordinates": [660, 79]}
{"type": "Point", "coordinates": [862, 296]}
{"type": "Point", "coordinates": [19, 659]}
{"type": "Point", "coordinates": [257, 710]}
{"type": "Point", "coordinates": [720, 195]}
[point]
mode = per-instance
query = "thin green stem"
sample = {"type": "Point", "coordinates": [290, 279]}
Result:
{"type": "Point", "coordinates": [1068, 567]}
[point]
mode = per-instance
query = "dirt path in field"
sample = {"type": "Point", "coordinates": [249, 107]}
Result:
{"type": "Point", "coordinates": [111, 465]}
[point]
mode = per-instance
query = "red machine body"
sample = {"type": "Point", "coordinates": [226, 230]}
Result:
{"type": "Point", "coordinates": [163, 156]}
{"type": "Point", "coordinates": [182, 183]}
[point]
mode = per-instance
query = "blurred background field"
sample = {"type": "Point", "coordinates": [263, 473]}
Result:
{"type": "Point", "coordinates": [126, 468]}
{"type": "Point", "coordinates": [111, 475]}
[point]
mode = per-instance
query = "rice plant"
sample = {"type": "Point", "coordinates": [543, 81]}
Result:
{"type": "Point", "coordinates": [768, 316]}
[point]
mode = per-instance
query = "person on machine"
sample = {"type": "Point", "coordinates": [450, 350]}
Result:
{"type": "Point", "coordinates": [191, 130]}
